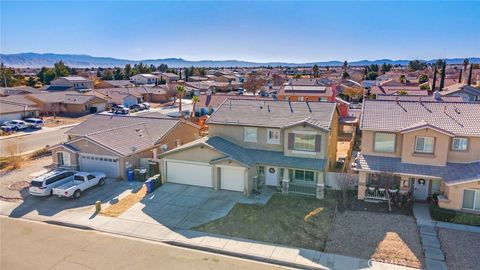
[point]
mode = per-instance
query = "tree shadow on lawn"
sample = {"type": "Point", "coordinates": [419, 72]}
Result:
{"type": "Point", "coordinates": [290, 220]}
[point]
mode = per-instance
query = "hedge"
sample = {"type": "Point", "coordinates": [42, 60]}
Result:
{"type": "Point", "coordinates": [446, 215]}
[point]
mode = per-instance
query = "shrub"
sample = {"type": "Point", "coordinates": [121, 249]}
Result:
{"type": "Point", "coordinates": [454, 216]}
{"type": "Point", "coordinates": [40, 153]}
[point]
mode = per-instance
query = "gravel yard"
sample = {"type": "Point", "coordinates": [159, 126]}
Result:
{"type": "Point", "coordinates": [461, 249]}
{"type": "Point", "coordinates": [12, 181]}
{"type": "Point", "coordinates": [389, 238]}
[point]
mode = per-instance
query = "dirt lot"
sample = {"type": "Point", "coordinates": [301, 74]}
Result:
{"type": "Point", "coordinates": [389, 238]}
{"type": "Point", "coordinates": [461, 249]}
{"type": "Point", "coordinates": [286, 220]}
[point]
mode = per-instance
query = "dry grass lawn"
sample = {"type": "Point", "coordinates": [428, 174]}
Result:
{"type": "Point", "coordinates": [50, 121]}
{"type": "Point", "coordinates": [389, 238]}
{"type": "Point", "coordinates": [285, 220]}
{"type": "Point", "coordinates": [124, 204]}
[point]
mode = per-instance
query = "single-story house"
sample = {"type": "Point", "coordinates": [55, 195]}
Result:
{"type": "Point", "coordinates": [16, 111]}
{"type": "Point", "coordinates": [68, 102]}
{"type": "Point", "coordinates": [114, 144]}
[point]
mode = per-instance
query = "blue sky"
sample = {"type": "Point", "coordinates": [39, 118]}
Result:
{"type": "Point", "coordinates": [254, 31]}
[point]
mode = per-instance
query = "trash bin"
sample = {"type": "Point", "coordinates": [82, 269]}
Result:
{"type": "Point", "coordinates": [130, 177]}
{"type": "Point", "coordinates": [150, 185]}
{"type": "Point", "coordinates": [140, 175]}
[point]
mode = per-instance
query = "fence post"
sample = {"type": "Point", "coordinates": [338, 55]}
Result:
{"type": "Point", "coordinates": [285, 185]}
{"type": "Point", "coordinates": [320, 191]}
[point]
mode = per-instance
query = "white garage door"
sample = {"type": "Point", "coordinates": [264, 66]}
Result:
{"type": "Point", "coordinates": [104, 164]}
{"type": "Point", "coordinates": [189, 173]}
{"type": "Point", "coordinates": [100, 106]}
{"type": "Point", "coordinates": [232, 178]}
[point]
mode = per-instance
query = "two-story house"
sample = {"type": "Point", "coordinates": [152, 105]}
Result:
{"type": "Point", "coordinates": [70, 83]}
{"type": "Point", "coordinates": [424, 148]}
{"type": "Point", "coordinates": [141, 79]}
{"type": "Point", "coordinates": [253, 143]}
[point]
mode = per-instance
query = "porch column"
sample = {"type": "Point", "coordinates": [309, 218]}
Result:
{"type": "Point", "coordinates": [320, 193]}
{"type": "Point", "coordinates": [362, 185]}
{"type": "Point", "coordinates": [285, 185]}
{"type": "Point", "coordinates": [216, 177]}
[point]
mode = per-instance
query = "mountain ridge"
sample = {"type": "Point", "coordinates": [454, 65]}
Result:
{"type": "Point", "coordinates": [36, 60]}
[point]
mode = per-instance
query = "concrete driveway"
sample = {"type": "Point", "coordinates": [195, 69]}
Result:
{"type": "Point", "coordinates": [184, 207]}
{"type": "Point", "coordinates": [52, 205]}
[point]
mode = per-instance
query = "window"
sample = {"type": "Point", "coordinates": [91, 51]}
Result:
{"type": "Point", "coordinates": [250, 134]}
{"type": "Point", "coordinates": [90, 177]}
{"type": "Point", "coordinates": [304, 175]}
{"type": "Point", "coordinates": [304, 142]}
{"type": "Point", "coordinates": [63, 159]}
{"type": "Point", "coordinates": [471, 199]}
{"type": "Point", "coordinates": [273, 136]}
{"type": "Point", "coordinates": [424, 145]}
{"type": "Point", "coordinates": [301, 99]}
{"type": "Point", "coordinates": [261, 170]}
{"type": "Point", "coordinates": [384, 142]}
{"type": "Point", "coordinates": [460, 144]}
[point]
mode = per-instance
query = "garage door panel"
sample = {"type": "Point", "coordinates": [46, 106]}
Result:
{"type": "Point", "coordinates": [189, 173]}
{"type": "Point", "coordinates": [232, 178]}
{"type": "Point", "coordinates": [107, 165]}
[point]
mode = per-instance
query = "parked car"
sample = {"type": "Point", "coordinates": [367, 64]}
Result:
{"type": "Point", "coordinates": [240, 91]}
{"type": "Point", "coordinates": [138, 107]}
{"type": "Point", "coordinates": [6, 129]}
{"type": "Point", "coordinates": [34, 122]}
{"type": "Point", "coordinates": [120, 109]}
{"type": "Point", "coordinates": [78, 183]}
{"type": "Point", "coordinates": [146, 105]}
{"type": "Point", "coordinates": [43, 184]}
{"type": "Point", "coordinates": [16, 124]}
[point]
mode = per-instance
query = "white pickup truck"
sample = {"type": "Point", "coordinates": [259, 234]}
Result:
{"type": "Point", "coordinates": [78, 183]}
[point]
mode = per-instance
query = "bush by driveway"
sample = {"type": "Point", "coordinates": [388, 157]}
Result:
{"type": "Point", "coordinates": [389, 238]}
{"type": "Point", "coordinates": [286, 220]}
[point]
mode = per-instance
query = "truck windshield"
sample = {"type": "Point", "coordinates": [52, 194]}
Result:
{"type": "Point", "coordinates": [78, 178]}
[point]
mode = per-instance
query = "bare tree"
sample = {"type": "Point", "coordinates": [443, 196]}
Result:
{"type": "Point", "coordinates": [345, 182]}
{"type": "Point", "coordinates": [14, 151]}
{"type": "Point", "coordinates": [254, 82]}
{"type": "Point", "coordinates": [172, 91]}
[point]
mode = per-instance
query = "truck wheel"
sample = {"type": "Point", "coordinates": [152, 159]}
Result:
{"type": "Point", "coordinates": [101, 182]}
{"type": "Point", "coordinates": [77, 194]}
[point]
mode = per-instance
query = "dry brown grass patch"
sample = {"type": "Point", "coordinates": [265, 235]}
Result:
{"type": "Point", "coordinates": [124, 204]}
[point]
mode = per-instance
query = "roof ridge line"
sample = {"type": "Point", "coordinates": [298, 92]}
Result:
{"type": "Point", "coordinates": [114, 128]}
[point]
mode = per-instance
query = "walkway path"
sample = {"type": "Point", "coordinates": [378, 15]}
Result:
{"type": "Point", "coordinates": [434, 256]}
{"type": "Point", "coordinates": [243, 248]}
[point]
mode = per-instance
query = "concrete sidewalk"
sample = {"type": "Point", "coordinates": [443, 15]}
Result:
{"type": "Point", "coordinates": [287, 256]}
{"type": "Point", "coordinates": [423, 217]}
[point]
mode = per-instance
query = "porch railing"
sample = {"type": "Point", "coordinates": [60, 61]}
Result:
{"type": "Point", "coordinates": [301, 188]}
{"type": "Point", "coordinates": [377, 194]}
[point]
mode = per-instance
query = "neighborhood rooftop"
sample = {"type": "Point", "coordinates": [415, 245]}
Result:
{"type": "Point", "coordinates": [457, 118]}
{"type": "Point", "coordinates": [279, 114]}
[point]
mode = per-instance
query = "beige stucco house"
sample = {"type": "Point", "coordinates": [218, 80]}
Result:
{"type": "Point", "coordinates": [114, 144]}
{"type": "Point", "coordinates": [252, 143]}
{"type": "Point", "coordinates": [425, 148]}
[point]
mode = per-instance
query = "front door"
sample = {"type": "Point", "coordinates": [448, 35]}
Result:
{"type": "Point", "coordinates": [272, 179]}
{"type": "Point", "coordinates": [421, 189]}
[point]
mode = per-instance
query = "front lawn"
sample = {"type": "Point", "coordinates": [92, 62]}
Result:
{"type": "Point", "coordinates": [290, 220]}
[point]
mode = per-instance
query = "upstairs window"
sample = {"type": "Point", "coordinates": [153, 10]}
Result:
{"type": "Point", "coordinates": [250, 134]}
{"type": "Point", "coordinates": [304, 142]}
{"type": "Point", "coordinates": [273, 136]}
{"type": "Point", "coordinates": [460, 144]}
{"type": "Point", "coordinates": [424, 145]}
{"type": "Point", "coordinates": [384, 142]}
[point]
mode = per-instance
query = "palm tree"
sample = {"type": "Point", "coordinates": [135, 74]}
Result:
{"type": "Point", "coordinates": [345, 64]}
{"type": "Point", "coordinates": [465, 65]}
{"type": "Point", "coordinates": [180, 92]}
{"type": "Point", "coordinates": [315, 70]}
{"type": "Point", "coordinates": [195, 100]}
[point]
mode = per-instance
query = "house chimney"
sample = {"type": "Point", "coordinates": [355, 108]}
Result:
{"type": "Point", "coordinates": [437, 96]}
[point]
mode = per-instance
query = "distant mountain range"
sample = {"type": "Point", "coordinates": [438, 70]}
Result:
{"type": "Point", "coordinates": [35, 60]}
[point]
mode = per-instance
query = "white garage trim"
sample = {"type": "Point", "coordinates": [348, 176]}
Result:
{"type": "Point", "coordinates": [97, 163]}
{"type": "Point", "coordinates": [232, 178]}
{"type": "Point", "coordinates": [189, 173]}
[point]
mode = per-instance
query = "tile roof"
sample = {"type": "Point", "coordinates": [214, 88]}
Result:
{"type": "Point", "coordinates": [276, 114]}
{"type": "Point", "coordinates": [11, 107]}
{"type": "Point", "coordinates": [417, 98]}
{"type": "Point", "coordinates": [20, 99]}
{"type": "Point", "coordinates": [18, 90]}
{"type": "Point", "coordinates": [452, 173]}
{"type": "Point", "coordinates": [67, 97]}
{"type": "Point", "coordinates": [76, 79]}
{"type": "Point", "coordinates": [217, 99]}
{"type": "Point", "coordinates": [459, 118]}
{"type": "Point", "coordinates": [310, 90]}
{"type": "Point", "coordinates": [461, 87]}
{"type": "Point", "coordinates": [250, 157]}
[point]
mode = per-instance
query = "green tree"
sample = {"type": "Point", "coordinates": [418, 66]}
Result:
{"type": "Point", "coordinates": [31, 81]}
{"type": "Point", "coordinates": [402, 93]}
{"type": "Point", "coordinates": [127, 71]}
{"type": "Point", "coordinates": [315, 71]}
{"type": "Point", "coordinates": [180, 93]}
{"type": "Point", "coordinates": [61, 70]}
{"type": "Point", "coordinates": [422, 79]}
{"type": "Point", "coordinates": [46, 75]}
{"type": "Point", "coordinates": [7, 78]}
{"type": "Point", "coordinates": [345, 75]}
{"type": "Point", "coordinates": [107, 75]}
{"type": "Point", "coordinates": [385, 68]}
{"type": "Point", "coordinates": [374, 67]}
{"type": "Point", "coordinates": [442, 78]}
{"type": "Point", "coordinates": [469, 82]}
{"type": "Point", "coordinates": [434, 77]}
{"type": "Point", "coordinates": [117, 74]}
{"type": "Point", "coordinates": [372, 75]}
{"type": "Point", "coordinates": [416, 65]}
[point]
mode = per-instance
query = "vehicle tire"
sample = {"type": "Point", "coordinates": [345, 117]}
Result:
{"type": "Point", "coordinates": [77, 194]}
{"type": "Point", "coordinates": [101, 182]}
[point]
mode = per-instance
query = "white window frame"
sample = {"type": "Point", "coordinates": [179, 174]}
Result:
{"type": "Point", "coordinates": [66, 160]}
{"type": "Point", "coordinates": [300, 99]}
{"type": "Point", "coordinates": [253, 130]}
{"type": "Point", "coordinates": [304, 172]}
{"type": "Point", "coordinates": [304, 149]}
{"type": "Point", "coordinates": [459, 144]}
{"type": "Point", "coordinates": [424, 150]}
{"type": "Point", "coordinates": [273, 140]}
{"type": "Point", "coordinates": [475, 191]}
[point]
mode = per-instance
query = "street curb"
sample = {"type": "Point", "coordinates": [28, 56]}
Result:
{"type": "Point", "coordinates": [69, 225]}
